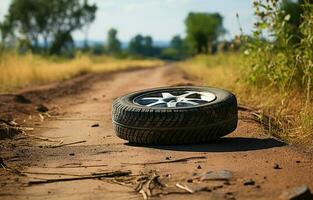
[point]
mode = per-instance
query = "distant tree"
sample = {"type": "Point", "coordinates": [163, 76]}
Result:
{"type": "Point", "coordinates": [148, 49]}
{"type": "Point", "coordinates": [114, 45]}
{"type": "Point", "coordinates": [53, 20]}
{"type": "Point", "coordinates": [177, 50]}
{"type": "Point", "coordinates": [142, 46]}
{"type": "Point", "coordinates": [5, 32]}
{"type": "Point", "coordinates": [135, 46]}
{"type": "Point", "coordinates": [177, 42]}
{"type": "Point", "coordinates": [203, 30]}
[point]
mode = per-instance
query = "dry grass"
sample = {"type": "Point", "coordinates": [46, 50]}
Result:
{"type": "Point", "coordinates": [20, 71]}
{"type": "Point", "coordinates": [288, 107]}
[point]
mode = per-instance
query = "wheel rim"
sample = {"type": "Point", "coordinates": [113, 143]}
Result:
{"type": "Point", "coordinates": [174, 98]}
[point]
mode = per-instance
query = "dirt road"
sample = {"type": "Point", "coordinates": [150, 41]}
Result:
{"type": "Point", "coordinates": [257, 166]}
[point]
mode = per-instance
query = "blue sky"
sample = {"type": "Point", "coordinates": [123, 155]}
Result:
{"type": "Point", "coordinates": [159, 18]}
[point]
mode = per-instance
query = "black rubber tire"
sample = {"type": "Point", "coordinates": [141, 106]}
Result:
{"type": "Point", "coordinates": [188, 125]}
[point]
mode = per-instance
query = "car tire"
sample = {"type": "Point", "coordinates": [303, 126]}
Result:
{"type": "Point", "coordinates": [191, 121]}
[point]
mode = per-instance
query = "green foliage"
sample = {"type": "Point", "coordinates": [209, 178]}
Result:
{"type": "Point", "coordinates": [203, 30]}
{"type": "Point", "coordinates": [114, 45]}
{"type": "Point", "coordinates": [29, 21]}
{"type": "Point", "coordinates": [284, 58]}
{"type": "Point", "coordinates": [142, 46]}
{"type": "Point", "coordinates": [177, 50]}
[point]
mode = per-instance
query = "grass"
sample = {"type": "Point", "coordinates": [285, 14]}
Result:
{"type": "Point", "coordinates": [19, 71]}
{"type": "Point", "coordinates": [288, 108]}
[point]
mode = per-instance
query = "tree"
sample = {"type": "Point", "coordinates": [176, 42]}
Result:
{"type": "Point", "coordinates": [203, 30]}
{"type": "Point", "coordinates": [114, 45]}
{"type": "Point", "coordinates": [53, 20]}
{"type": "Point", "coordinates": [177, 42]}
{"type": "Point", "coordinates": [148, 49]}
{"type": "Point", "coordinates": [142, 46]}
{"type": "Point", "coordinates": [136, 45]}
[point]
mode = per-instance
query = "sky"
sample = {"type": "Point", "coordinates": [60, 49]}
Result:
{"type": "Point", "coordinates": [162, 19]}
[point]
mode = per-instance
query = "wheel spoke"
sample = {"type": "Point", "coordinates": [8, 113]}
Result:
{"type": "Point", "coordinates": [155, 103]}
{"type": "Point", "coordinates": [191, 102]}
{"type": "Point", "coordinates": [167, 95]}
{"type": "Point", "coordinates": [187, 94]}
{"type": "Point", "coordinates": [171, 104]}
{"type": "Point", "coordinates": [152, 98]}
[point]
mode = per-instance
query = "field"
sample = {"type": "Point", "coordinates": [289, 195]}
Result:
{"type": "Point", "coordinates": [20, 71]}
{"type": "Point", "coordinates": [289, 109]}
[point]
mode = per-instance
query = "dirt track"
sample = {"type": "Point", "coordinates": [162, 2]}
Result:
{"type": "Point", "coordinates": [247, 153]}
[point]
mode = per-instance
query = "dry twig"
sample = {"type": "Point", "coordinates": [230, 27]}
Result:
{"type": "Point", "coordinates": [84, 177]}
{"type": "Point", "coordinates": [169, 161]}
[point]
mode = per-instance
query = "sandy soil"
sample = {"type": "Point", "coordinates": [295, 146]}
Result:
{"type": "Point", "coordinates": [75, 106]}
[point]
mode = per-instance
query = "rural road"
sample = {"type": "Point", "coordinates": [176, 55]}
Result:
{"type": "Point", "coordinates": [256, 165]}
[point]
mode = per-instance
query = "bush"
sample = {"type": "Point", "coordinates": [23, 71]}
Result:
{"type": "Point", "coordinates": [272, 56]}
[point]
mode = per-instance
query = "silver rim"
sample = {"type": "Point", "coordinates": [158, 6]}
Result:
{"type": "Point", "coordinates": [174, 99]}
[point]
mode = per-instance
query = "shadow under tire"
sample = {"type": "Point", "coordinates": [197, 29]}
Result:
{"type": "Point", "coordinates": [191, 121]}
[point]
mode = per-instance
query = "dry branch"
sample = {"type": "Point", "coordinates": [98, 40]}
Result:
{"type": "Point", "coordinates": [169, 161]}
{"type": "Point", "coordinates": [84, 177]}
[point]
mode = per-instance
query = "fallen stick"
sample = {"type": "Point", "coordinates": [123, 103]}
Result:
{"type": "Point", "coordinates": [53, 173]}
{"type": "Point", "coordinates": [169, 161]}
{"type": "Point", "coordinates": [84, 177]}
{"type": "Point", "coordinates": [79, 166]}
{"type": "Point", "coordinates": [61, 145]}
{"type": "Point", "coordinates": [184, 187]}
{"type": "Point", "coordinates": [43, 138]}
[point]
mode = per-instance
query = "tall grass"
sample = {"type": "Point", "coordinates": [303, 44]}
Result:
{"type": "Point", "coordinates": [228, 71]}
{"type": "Point", "coordinates": [273, 74]}
{"type": "Point", "coordinates": [277, 55]}
{"type": "Point", "coordinates": [17, 71]}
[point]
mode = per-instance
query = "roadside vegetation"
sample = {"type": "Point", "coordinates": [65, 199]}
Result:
{"type": "Point", "coordinates": [274, 70]}
{"type": "Point", "coordinates": [20, 71]}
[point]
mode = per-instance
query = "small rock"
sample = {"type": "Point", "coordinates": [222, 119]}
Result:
{"type": "Point", "coordinates": [217, 175]}
{"type": "Point", "coordinates": [190, 180]}
{"type": "Point", "coordinates": [248, 182]}
{"type": "Point", "coordinates": [42, 108]}
{"type": "Point", "coordinates": [95, 125]}
{"type": "Point", "coordinates": [297, 193]}
{"type": "Point", "coordinates": [217, 187]}
{"type": "Point", "coordinates": [199, 167]}
{"type": "Point", "coordinates": [227, 183]}
{"type": "Point", "coordinates": [21, 99]}
{"type": "Point", "coordinates": [276, 166]}
{"type": "Point", "coordinates": [72, 154]}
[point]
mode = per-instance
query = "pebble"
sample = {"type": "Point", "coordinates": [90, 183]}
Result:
{"type": "Point", "coordinates": [248, 182]}
{"type": "Point", "coordinates": [95, 125]}
{"type": "Point", "coordinates": [42, 108]}
{"type": "Point", "coordinates": [217, 175]}
{"type": "Point", "coordinates": [276, 166]}
{"type": "Point", "coordinates": [22, 99]}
